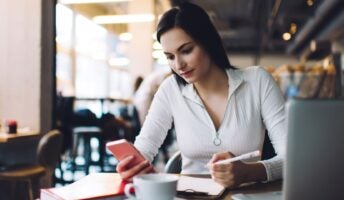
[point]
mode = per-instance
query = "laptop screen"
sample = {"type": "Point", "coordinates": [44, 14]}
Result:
{"type": "Point", "coordinates": [314, 167]}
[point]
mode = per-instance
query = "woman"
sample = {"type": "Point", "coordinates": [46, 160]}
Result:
{"type": "Point", "coordinates": [218, 111]}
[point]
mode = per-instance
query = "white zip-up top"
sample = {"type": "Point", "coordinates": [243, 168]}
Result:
{"type": "Point", "coordinates": [254, 103]}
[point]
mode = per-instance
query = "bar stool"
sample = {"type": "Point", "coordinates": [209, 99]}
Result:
{"type": "Point", "coordinates": [85, 133]}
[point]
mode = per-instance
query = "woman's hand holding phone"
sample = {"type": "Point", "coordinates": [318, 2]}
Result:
{"type": "Point", "coordinates": [131, 161]}
{"type": "Point", "coordinates": [127, 172]}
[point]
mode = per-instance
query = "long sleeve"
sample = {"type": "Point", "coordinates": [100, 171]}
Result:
{"type": "Point", "coordinates": [272, 105]}
{"type": "Point", "coordinates": [158, 122]}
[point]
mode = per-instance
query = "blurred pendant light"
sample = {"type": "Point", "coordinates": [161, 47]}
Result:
{"type": "Point", "coordinates": [123, 19]}
{"type": "Point", "coordinates": [90, 1]}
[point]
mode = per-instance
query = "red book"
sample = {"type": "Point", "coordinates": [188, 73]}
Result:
{"type": "Point", "coordinates": [94, 186]}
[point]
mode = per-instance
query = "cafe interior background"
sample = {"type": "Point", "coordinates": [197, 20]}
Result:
{"type": "Point", "coordinates": [69, 63]}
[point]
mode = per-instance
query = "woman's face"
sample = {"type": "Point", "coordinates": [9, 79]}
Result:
{"type": "Point", "coordinates": [187, 58]}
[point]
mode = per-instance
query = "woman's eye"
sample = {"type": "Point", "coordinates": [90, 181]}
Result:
{"type": "Point", "coordinates": [169, 57]}
{"type": "Point", "coordinates": [188, 50]}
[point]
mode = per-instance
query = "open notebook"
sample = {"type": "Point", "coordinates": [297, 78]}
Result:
{"type": "Point", "coordinates": [195, 187]}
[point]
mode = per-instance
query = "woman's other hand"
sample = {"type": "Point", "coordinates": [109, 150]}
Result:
{"type": "Point", "coordinates": [127, 173]}
{"type": "Point", "coordinates": [229, 175]}
{"type": "Point", "coordinates": [233, 174]}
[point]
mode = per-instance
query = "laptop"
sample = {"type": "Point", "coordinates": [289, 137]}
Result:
{"type": "Point", "coordinates": [314, 167]}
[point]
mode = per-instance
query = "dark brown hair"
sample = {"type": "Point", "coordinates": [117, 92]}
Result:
{"type": "Point", "coordinates": [197, 24]}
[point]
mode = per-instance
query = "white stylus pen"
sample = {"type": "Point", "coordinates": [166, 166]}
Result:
{"type": "Point", "coordinates": [252, 154]}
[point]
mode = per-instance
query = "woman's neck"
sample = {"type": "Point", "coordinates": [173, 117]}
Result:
{"type": "Point", "coordinates": [215, 81]}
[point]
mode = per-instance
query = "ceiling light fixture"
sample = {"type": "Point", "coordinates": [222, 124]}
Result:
{"type": "Point", "coordinates": [123, 19]}
{"type": "Point", "coordinates": [125, 36]}
{"type": "Point", "coordinates": [293, 28]}
{"type": "Point", "coordinates": [157, 45]}
{"type": "Point", "coordinates": [154, 36]}
{"type": "Point", "coordinates": [286, 36]}
{"type": "Point", "coordinates": [119, 61]}
{"type": "Point", "coordinates": [90, 1]}
{"type": "Point", "coordinates": [158, 54]}
{"type": "Point", "coordinates": [310, 2]}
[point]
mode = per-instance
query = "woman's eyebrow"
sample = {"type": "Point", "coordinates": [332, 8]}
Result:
{"type": "Point", "coordinates": [179, 48]}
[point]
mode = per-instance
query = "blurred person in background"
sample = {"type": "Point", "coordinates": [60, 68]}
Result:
{"type": "Point", "coordinates": [137, 83]}
{"type": "Point", "coordinates": [144, 95]}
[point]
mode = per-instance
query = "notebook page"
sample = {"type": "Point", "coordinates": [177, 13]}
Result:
{"type": "Point", "coordinates": [199, 185]}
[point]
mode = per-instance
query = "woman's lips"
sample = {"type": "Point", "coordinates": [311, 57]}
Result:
{"type": "Point", "coordinates": [186, 74]}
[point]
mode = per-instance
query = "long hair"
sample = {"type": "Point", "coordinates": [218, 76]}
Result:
{"type": "Point", "coordinates": [197, 24]}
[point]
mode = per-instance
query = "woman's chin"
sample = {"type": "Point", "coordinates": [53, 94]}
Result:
{"type": "Point", "coordinates": [189, 80]}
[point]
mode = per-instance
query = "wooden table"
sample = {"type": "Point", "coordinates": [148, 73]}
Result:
{"type": "Point", "coordinates": [18, 148]}
{"type": "Point", "coordinates": [255, 188]}
{"type": "Point", "coordinates": [93, 182]}
{"type": "Point", "coordinates": [5, 137]}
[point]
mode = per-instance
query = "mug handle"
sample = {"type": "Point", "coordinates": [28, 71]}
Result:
{"type": "Point", "coordinates": [127, 189]}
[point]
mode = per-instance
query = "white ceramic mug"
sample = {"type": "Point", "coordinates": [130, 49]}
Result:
{"type": "Point", "coordinates": [153, 187]}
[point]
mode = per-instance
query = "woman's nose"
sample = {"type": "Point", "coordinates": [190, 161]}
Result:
{"type": "Point", "coordinates": [179, 63]}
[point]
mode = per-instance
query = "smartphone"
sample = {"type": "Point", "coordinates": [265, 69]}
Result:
{"type": "Point", "coordinates": [122, 148]}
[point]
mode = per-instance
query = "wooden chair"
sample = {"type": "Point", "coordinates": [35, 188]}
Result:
{"type": "Point", "coordinates": [48, 153]}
